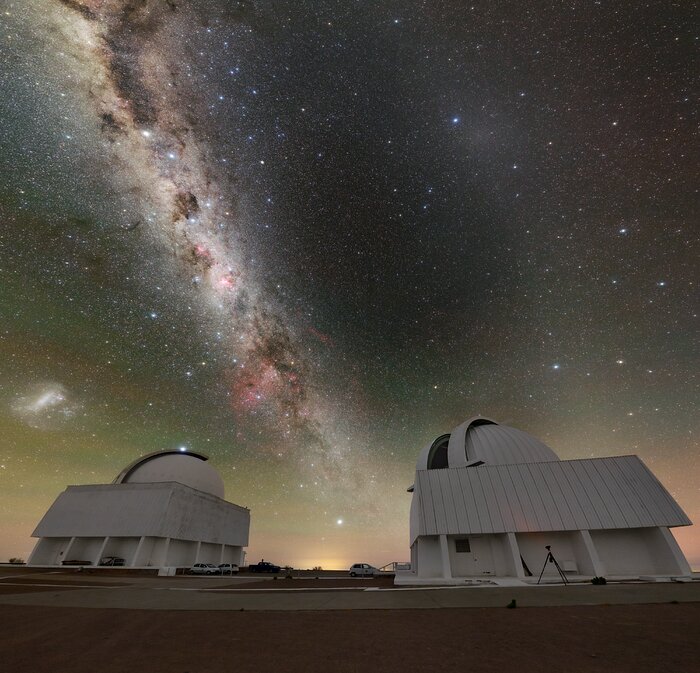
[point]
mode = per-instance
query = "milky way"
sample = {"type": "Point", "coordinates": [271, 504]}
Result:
{"type": "Point", "coordinates": [148, 112]}
{"type": "Point", "coordinates": [306, 238]}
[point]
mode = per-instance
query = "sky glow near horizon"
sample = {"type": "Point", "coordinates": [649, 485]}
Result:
{"type": "Point", "coordinates": [305, 239]}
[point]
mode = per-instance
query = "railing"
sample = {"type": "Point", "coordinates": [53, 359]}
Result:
{"type": "Point", "coordinates": [394, 566]}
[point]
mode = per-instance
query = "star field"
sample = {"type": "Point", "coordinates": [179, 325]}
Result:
{"type": "Point", "coordinates": [307, 238]}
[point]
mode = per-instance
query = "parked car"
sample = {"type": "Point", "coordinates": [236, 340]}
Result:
{"type": "Point", "coordinates": [112, 561]}
{"type": "Point", "coordinates": [363, 570]}
{"type": "Point", "coordinates": [204, 569]}
{"type": "Point", "coordinates": [228, 568]}
{"type": "Point", "coordinates": [264, 567]}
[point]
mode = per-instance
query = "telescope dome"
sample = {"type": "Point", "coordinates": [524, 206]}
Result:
{"type": "Point", "coordinates": [184, 467]}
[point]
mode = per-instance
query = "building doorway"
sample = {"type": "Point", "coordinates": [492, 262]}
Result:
{"type": "Point", "coordinates": [471, 556]}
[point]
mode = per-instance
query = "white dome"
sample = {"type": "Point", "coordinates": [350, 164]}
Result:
{"type": "Point", "coordinates": [188, 468]}
{"type": "Point", "coordinates": [483, 441]}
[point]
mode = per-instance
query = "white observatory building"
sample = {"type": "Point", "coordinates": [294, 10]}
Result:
{"type": "Point", "coordinates": [487, 499]}
{"type": "Point", "coordinates": [165, 509]}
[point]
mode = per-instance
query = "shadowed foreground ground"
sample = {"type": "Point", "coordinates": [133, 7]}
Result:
{"type": "Point", "coordinates": [610, 639]}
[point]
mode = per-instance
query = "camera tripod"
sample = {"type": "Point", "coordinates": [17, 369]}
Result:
{"type": "Point", "coordinates": [550, 559]}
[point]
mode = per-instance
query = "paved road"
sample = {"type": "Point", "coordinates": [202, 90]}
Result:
{"type": "Point", "coordinates": [154, 593]}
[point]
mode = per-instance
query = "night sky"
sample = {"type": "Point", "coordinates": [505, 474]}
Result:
{"type": "Point", "coordinates": [306, 238]}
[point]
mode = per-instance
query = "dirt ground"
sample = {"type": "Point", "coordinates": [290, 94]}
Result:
{"type": "Point", "coordinates": [605, 639]}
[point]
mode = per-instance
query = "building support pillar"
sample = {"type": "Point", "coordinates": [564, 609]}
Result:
{"type": "Point", "coordinates": [513, 555]}
{"type": "Point", "coordinates": [66, 551]}
{"type": "Point", "coordinates": [164, 561]}
{"type": "Point", "coordinates": [592, 553]}
{"type": "Point", "coordinates": [135, 557]}
{"type": "Point", "coordinates": [675, 551]}
{"type": "Point", "coordinates": [445, 557]}
{"type": "Point", "coordinates": [31, 556]}
{"type": "Point", "coordinates": [221, 556]}
{"type": "Point", "coordinates": [101, 550]}
{"type": "Point", "coordinates": [199, 547]}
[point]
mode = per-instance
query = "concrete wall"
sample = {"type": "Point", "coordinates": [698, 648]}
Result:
{"type": "Point", "coordinates": [150, 510]}
{"type": "Point", "coordinates": [210, 553]}
{"type": "Point", "coordinates": [233, 555]}
{"type": "Point", "coordinates": [414, 518]}
{"type": "Point", "coordinates": [491, 555]}
{"type": "Point", "coordinates": [182, 553]}
{"type": "Point", "coordinates": [136, 552]}
{"type": "Point", "coordinates": [586, 555]}
{"type": "Point", "coordinates": [193, 515]}
{"type": "Point", "coordinates": [49, 551]}
{"type": "Point", "coordinates": [478, 561]}
{"type": "Point", "coordinates": [123, 547]}
{"type": "Point", "coordinates": [640, 551]}
{"type": "Point", "coordinates": [428, 557]}
{"type": "Point", "coordinates": [85, 549]}
{"type": "Point", "coordinates": [532, 549]}
{"type": "Point", "coordinates": [500, 552]}
{"type": "Point", "coordinates": [144, 552]}
{"type": "Point", "coordinates": [632, 552]}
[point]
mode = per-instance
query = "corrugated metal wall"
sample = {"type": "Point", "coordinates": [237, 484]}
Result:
{"type": "Point", "coordinates": [590, 494]}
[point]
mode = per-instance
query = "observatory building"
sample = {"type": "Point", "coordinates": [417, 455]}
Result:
{"type": "Point", "coordinates": [488, 499]}
{"type": "Point", "coordinates": [165, 509]}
